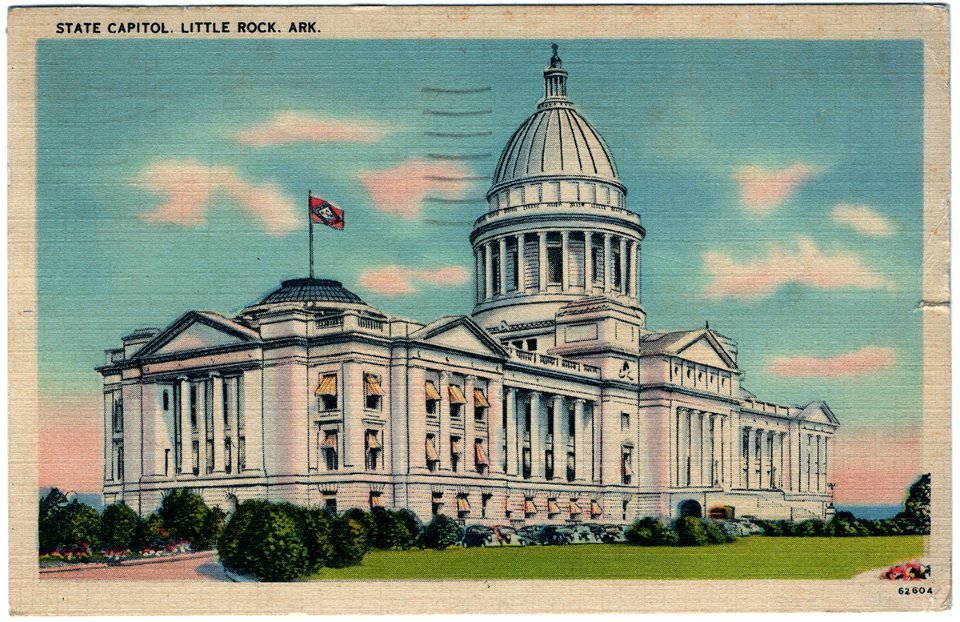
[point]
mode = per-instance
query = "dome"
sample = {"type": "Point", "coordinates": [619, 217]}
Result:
{"type": "Point", "coordinates": [555, 141]}
{"type": "Point", "coordinates": [312, 290]}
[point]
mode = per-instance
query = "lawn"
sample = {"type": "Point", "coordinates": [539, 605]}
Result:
{"type": "Point", "coordinates": [755, 557]}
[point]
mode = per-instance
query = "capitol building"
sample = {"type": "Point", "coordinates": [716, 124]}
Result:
{"type": "Point", "coordinates": [551, 402]}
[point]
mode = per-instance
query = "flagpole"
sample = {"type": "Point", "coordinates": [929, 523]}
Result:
{"type": "Point", "coordinates": [310, 221]}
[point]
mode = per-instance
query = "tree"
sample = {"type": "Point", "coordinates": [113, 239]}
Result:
{"type": "Point", "coordinates": [349, 540]}
{"type": "Point", "coordinates": [650, 532]}
{"type": "Point", "coordinates": [440, 532]}
{"type": "Point", "coordinates": [150, 532]}
{"type": "Point", "coordinates": [118, 526]}
{"type": "Point", "coordinates": [51, 520]}
{"type": "Point", "coordinates": [233, 546]}
{"type": "Point", "coordinates": [916, 508]}
{"type": "Point", "coordinates": [81, 525]}
{"type": "Point", "coordinates": [185, 515]}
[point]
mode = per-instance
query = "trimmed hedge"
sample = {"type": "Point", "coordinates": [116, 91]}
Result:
{"type": "Point", "coordinates": [440, 532]}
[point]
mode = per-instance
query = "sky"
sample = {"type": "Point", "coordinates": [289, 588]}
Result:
{"type": "Point", "coordinates": [779, 182]}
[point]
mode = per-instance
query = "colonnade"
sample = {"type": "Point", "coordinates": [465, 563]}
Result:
{"type": "Point", "coordinates": [763, 458]}
{"type": "Point", "coordinates": [703, 448]}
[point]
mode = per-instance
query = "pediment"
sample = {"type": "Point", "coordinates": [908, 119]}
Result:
{"type": "Point", "coordinates": [460, 333]}
{"type": "Point", "coordinates": [707, 351]}
{"type": "Point", "coordinates": [197, 331]}
{"type": "Point", "coordinates": [818, 412]}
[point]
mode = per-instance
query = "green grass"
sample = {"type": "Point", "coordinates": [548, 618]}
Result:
{"type": "Point", "coordinates": [756, 557]}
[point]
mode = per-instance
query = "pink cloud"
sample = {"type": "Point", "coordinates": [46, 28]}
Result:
{"type": "Point", "coordinates": [70, 450]}
{"type": "Point", "coordinates": [190, 187]}
{"type": "Point", "coordinates": [762, 189]}
{"type": "Point", "coordinates": [863, 220]}
{"type": "Point", "coordinates": [402, 189]}
{"type": "Point", "coordinates": [873, 466]}
{"type": "Point", "coordinates": [868, 360]}
{"type": "Point", "coordinates": [804, 264]}
{"type": "Point", "coordinates": [398, 280]}
{"type": "Point", "coordinates": [296, 127]}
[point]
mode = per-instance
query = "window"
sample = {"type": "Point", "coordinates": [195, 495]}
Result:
{"type": "Point", "coordinates": [514, 281]}
{"type": "Point", "coordinates": [375, 500]}
{"type": "Point", "coordinates": [117, 414]}
{"type": "Point", "coordinates": [597, 256]}
{"type": "Point", "coordinates": [527, 414]}
{"type": "Point", "coordinates": [166, 400]}
{"type": "Point", "coordinates": [529, 507]}
{"type": "Point", "coordinates": [455, 452]}
{"type": "Point", "coordinates": [457, 400]}
{"type": "Point", "coordinates": [575, 510]}
{"type": "Point", "coordinates": [595, 510]}
{"type": "Point", "coordinates": [436, 505]}
{"type": "Point", "coordinates": [624, 421]}
{"type": "Point", "coordinates": [484, 500]}
{"type": "Point", "coordinates": [238, 396]}
{"type": "Point", "coordinates": [227, 455]}
{"type": "Point", "coordinates": [327, 392]}
{"type": "Point", "coordinates": [177, 432]}
{"type": "Point", "coordinates": [433, 458]}
{"type": "Point", "coordinates": [571, 422]}
{"type": "Point", "coordinates": [526, 463]}
{"type": "Point", "coordinates": [626, 466]}
{"type": "Point", "coordinates": [193, 407]}
{"type": "Point", "coordinates": [554, 265]}
{"type": "Point", "coordinates": [571, 466]}
{"type": "Point", "coordinates": [329, 449]}
{"type": "Point", "coordinates": [209, 456]}
{"type": "Point", "coordinates": [553, 509]}
{"type": "Point", "coordinates": [241, 454]}
{"type": "Point", "coordinates": [616, 269]}
{"type": "Point", "coordinates": [166, 462]}
{"type": "Point", "coordinates": [432, 397]}
{"type": "Point", "coordinates": [532, 345]}
{"type": "Point", "coordinates": [480, 456]}
{"type": "Point", "coordinates": [495, 269]}
{"type": "Point", "coordinates": [548, 460]}
{"type": "Point", "coordinates": [373, 448]}
{"type": "Point", "coordinates": [208, 408]}
{"type": "Point", "coordinates": [225, 406]}
{"type": "Point", "coordinates": [625, 503]}
{"type": "Point", "coordinates": [480, 405]}
{"type": "Point", "coordinates": [330, 504]}
{"type": "Point", "coordinates": [550, 419]}
{"type": "Point", "coordinates": [196, 457]}
{"type": "Point", "coordinates": [118, 460]}
{"type": "Point", "coordinates": [463, 506]}
{"type": "Point", "coordinates": [373, 391]}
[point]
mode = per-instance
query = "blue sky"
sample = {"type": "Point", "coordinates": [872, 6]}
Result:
{"type": "Point", "coordinates": [752, 156]}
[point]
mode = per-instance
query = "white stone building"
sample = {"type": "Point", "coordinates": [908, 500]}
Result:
{"type": "Point", "coordinates": [552, 403]}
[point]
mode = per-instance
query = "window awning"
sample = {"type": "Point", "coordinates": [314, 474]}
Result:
{"type": "Point", "coordinates": [373, 384]}
{"type": "Point", "coordinates": [480, 456]}
{"type": "Point", "coordinates": [626, 468]}
{"type": "Point", "coordinates": [372, 442]}
{"type": "Point", "coordinates": [330, 441]}
{"type": "Point", "coordinates": [552, 507]}
{"type": "Point", "coordinates": [529, 506]}
{"type": "Point", "coordinates": [456, 395]}
{"type": "Point", "coordinates": [327, 386]}
{"type": "Point", "coordinates": [455, 447]}
{"type": "Point", "coordinates": [480, 399]}
{"type": "Point", "coordinates": [595, 508]}
{"type": "Point", "coordinates": [374, 499]}
{"type": "Point", "coordinates": [431, 391]}
{"type": "Point", "coordinates": [462, 504]}
{"type": "Point", "coordinates": [432, 455]}
{"type": "Point", "coordinates": [574, 507]}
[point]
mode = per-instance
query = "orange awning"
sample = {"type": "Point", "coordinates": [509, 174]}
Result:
{"type": "Point", "coordinates": [375, 500]}
{"type": "Point", "coordinates": [327, 386]}
{"type": "Point", "coordinates": [456, 395]}
{"type": "Point", "coordinates": [574, 507]}
{"type": "Point", "coordinates": [480, 399]}
{"type": "Point", "coordinates": [330, 441]}
{"type": "Point", "coordinates": [462, 504]}
{"type": "Point", "coordinates": [552, 507]}
{"type": "Point", "coordinates": [595, 508]}
{"type": "Point", "coordinates": [455, 447]}
{"type": "Point", "coordinates": [432, 455]}
{"type": "Point", "coordinates": [372, 442]}
{"type": "Point", "coordinates": [481, 458]}
{"type": "Point", "coordinates": [529, 506]}
{"type": "Point", "coordinates": [430, 390]}
{"type": "Point", "coordinates": [373, 385]}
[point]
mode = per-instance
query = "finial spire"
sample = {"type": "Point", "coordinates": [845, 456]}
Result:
{"type": "Point", "coordinates": [555, 61]}
{"type": "Point", "coordinates": [554, 81]}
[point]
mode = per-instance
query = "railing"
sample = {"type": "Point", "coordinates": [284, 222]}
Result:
{"type": "Point", "coordinates": [330, 322]}
{"type": "Point", "coordinates": [553, 361]}
{"type": "Point", "coordinates": [506, 211]}
{"type": "Point", "coordinates": [548, 360]}
{"type": "Point", "coordinates": [365, 322]}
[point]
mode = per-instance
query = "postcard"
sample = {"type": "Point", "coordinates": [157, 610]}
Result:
{"type": "Point", "coordinates": [453, 309]}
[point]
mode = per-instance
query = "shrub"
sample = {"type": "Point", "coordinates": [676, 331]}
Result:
{"type": "Point", "coordinates": [811, 527]}
{"type": "Point", "coordinates": [650, 532]}
{"type": "Point", "coordinates": [235, 538]}
{"type": "Point", "coordinates": [414, 526]}
{"type": "Point", "coordinates": [916, 509]}
{"type": "Point", "coordinates": [184, 514]}
{"type": "Point", "coordinates": [276, 551]}
{"type": "Point", "coordinates": [440, 532]}
{"type": "Point", "coordinates": [769, 527]}
{"type": "Point", "coordinates": [51, 520]}
{"type": "Point", "coordinates": [118, 527]}
{"type": "Point", "coordinates": [390, 530]}
{"type": "Point", "coordinates": [317, 537]}
{"type": "Point", "coordinates": [366, 521]}
{"type": "Point", "coordinates": [150, 532]}
{"type": "Point", "coordinates": [715, 534]}
{"type": "Point", "coordinates": [349, 538]}
{"type": "Point", "coordinates": [81, 525]}
{"type": "Point", "coordinates": [690, 531]}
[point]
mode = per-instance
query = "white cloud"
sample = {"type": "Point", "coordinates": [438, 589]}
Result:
{"type": "Point", "coordinates": [189, 187]}
{"type": "Point", "coordinates": [763, 189]}
{"type": "Point", "coordinates": [867, 360]}
{"type": "Point", "coordinates": [296, 127]}
{"type": "Point", "coordinates": [401, 190]}
{"type": "Point", "coordinates": [398, 280]}
{"type": "Point", "coordinates": [863, 219]}
{"type": "Point", "coordinates": [804, 264]}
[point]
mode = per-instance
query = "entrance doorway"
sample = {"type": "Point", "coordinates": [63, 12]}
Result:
{"type": "Point", "coordinates": [691, 508]}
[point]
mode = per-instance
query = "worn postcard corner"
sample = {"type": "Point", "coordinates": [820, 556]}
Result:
{"type": "Point", "coordinates": [476, 306]}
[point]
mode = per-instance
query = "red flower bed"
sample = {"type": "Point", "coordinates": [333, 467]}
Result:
{"type": "Point", "coordinates": [908, 571]}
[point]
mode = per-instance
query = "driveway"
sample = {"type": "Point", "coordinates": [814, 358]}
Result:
{"type": "Point", "coordinates": [200, 566]}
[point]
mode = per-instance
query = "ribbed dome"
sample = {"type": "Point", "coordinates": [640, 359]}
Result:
{"type": "Point", "coordinates": [312, 290]}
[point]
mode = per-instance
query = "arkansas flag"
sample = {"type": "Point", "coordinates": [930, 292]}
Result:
{"type": "Point", "coordinates": [322, 212]}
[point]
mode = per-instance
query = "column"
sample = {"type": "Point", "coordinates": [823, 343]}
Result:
{"type": "Point", "coordinates": [593, 413]}
{"type": "Point", "coordinates": [762, 460]}
{"type": "Point", "coordinates": [494, 426]}
{"type": "Point", "coordinates": [587, 261]}
{"type": "Point", "coordinates": [683, 424]}
{"type": "Point", "coordinates": [716, 449]}
{"type": "Point", "coordinates": [606, 263]}
{"type": "Point", "coordinates": [733, 451]}
{"type": "Point", "coordinates": [514, 442]}
{"type": "Point", "coordinates": [353, 383]}
{"type": "Point", "coordinates": [559, 439]}
{"type": "Point", "coordinates": [443, 442]}
{"type": "Point", "coordinates": [826, 458]}
{"type": "Point", "coordinates": [564, 263]}
{"type": "Point", "coordinates": [634, 272]}
{"type": "Point", "coordinates": [503, 266]}
{"type": "Point", "coordinates": [478, 279]}
{"type": "Point", "coordinates": [487, 273]}
{"type": "Point", "coordinates": [108, 435]}
{"type": "Point", "coordinates": [542, 259]}
{"type": "Point", "coordinates": [536, 446]}
{"type": "Point", "coordinates": [521, 266]}
{"type": "Point", "coordinates": [583, 426]}
{"type": "Point", "coordinates": [218, 428]}
{"type": "Point", "coordinates": [781, 437]}
{"type": "Point", "coordinates": [696, 444]}
{"type": "Point", "coordinates": [417, 421]}
{"type": "Point", "coordinates": [706, 437]}
{"type": "Point", "coordinates": [623, 265]}
{"type": "Point", "coordinates": [186, 451]}
{"type": "Point", "coordinates": [751, 479]}
{"type": "Point", "coordinates": [469, 421]}
{"type": "Point", "coordinates": [819, 464]}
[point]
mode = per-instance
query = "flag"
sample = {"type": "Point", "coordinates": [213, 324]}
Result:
{"type": "Point", "coordinates": [322, 212]}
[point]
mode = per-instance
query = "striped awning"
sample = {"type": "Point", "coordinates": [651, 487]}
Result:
{"type": "Point", "coordinates": [372, 442]}
{"type": "Point", "coordinates": [552, 507]}
{"type": "Point", "coordinates": [456, 395]}
{"type": "Point", "coordinates": [595, 508]}
{"type": "Point", "coordinates": [330, 440]}
{"type": "Point", "coordinates": [529, 506]}
{"type": "Point", "coordinates": [430, 390]}
{"type": "Point", "coordinates": [375, 499]}
{"type": "Point", "coordinates": [373, 384]}
{"type": "Point", "coordinates": [327, 386]}
{"type": "Point", "coordinates": [574, 507]}
{"type": "Point", "coordinates": [480, 399]}
{"type": "Point", "coordinates": [432, 455]}
{"type": "Point", "coordinates": [455, 447]}
{"type": "Point", "coordinates": [479, 455]}
{"type": "Point", "coordinates": [462, 504]}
